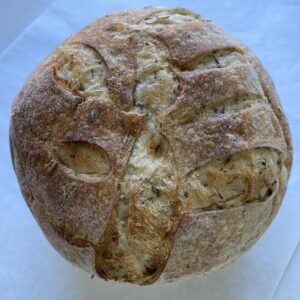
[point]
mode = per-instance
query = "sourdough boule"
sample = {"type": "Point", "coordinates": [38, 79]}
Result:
{"type": "Point", "coordinates": [151, 146]}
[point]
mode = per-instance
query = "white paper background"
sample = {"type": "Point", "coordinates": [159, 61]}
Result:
{"type": "Point", "coordinates": [31, 269]}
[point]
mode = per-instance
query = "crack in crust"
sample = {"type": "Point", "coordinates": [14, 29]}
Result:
{"type": "Point", "coordinates": [166, 125]}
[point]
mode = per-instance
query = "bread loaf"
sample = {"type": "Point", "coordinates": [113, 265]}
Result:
{"type": "Point", "coordinates": [151, 146]}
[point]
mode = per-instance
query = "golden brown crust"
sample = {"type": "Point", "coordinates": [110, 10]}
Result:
{"type": "Point", "coordinates": [189, 42]}
{"type": "Point", "coordinates": [200, 248]}
{"type": "Point", "coordinates": [270, 92]}
{"type": "Point", "coordinates": [151, 145]}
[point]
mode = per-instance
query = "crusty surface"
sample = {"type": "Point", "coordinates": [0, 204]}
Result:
{"type": "Point", "coordinates": [151, 146]}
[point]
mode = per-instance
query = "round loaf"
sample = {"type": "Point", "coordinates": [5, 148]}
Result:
{"type": "Point", "coordinates": [151, 146]}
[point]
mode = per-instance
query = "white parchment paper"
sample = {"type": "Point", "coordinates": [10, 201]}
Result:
{"type": "Point", "coordinates": [31, 269]}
